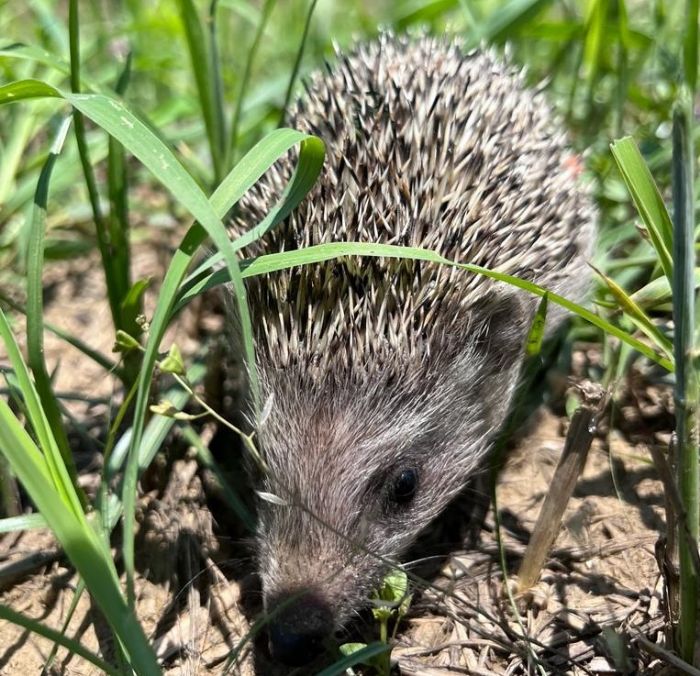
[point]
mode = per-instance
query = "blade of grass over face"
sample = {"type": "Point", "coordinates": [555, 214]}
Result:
{"type": "Point", "coordinates": [325, 252]}
{"type": "Point", "coordinates": [686, 387]}
{"type": "Point", "coordinates": [58, 637]}
{"type": "Point", "coordinates": [297, 63]}
{"type": "Point", "coordinates": [35, 310]}
{"type": "Point", "coordinates": [647, 199]}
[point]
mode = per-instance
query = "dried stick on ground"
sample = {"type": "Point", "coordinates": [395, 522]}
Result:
{"type": "Point", "coordinates": [571, 464]}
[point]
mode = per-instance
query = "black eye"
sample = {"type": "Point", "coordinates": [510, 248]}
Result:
{"type": "Point", "coordinates": [404, 487]}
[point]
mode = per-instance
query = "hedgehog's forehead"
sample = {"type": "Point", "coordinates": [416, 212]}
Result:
{"type": "Point", "coordinates": [323, 424]}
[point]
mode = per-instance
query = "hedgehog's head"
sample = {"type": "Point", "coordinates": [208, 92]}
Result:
{"type": "Point", "coordinates": [359, 465]}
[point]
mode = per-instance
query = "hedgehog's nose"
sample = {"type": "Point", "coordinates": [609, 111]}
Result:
{"type": "Point", "coordinates": [299, 628]}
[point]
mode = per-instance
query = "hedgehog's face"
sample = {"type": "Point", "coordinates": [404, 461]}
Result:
{"type": "Point", "coordinates": [356, 473]}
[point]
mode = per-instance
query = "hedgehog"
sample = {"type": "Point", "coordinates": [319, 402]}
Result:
{"type": "Point", "coordinates": [387, 379]}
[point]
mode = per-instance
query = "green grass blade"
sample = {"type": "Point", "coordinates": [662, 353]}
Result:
{"type": "Point", "coordinates": [35, 311]}
{"type": "Point", "coordinates": [72, 645]}
{"type": "Point", "coordinates": [507, 19]}
{"type": "Point", "coordinates": [259, 159]}
{"type": "Point", "coordinates": [594, 39]}
{"type": "Point", "coordinates": [640, 318]}
{"type": "Point", "coordinates": [13, 524]}
{"type": "Point", "coordinates": [297, 63]}
{"type": "Point", "coordinates": [51, 461]}
{"type": "Point", "coordinates": [217, 83]}
{"type": "Point", "coordinates": [79, 540]}
{"type": "Point", "coordinates": [535, 336]}
{"type": "Point", "coordinates": [325, 252]}
{"type": "Point", "coordinates": [102, 227]}
{"type": "Point", "coordinates": [100, 359]}
{"type": "Point", "coordinates": [646, 198]}
{"type": "Point", "coordinates": [201, 60]}
{"type": "Point", "coordinates": [117, 184]}
{"type": "Point", "coordinates": [686, 386]}
{"type": "Point", "coordinates": [658, 292]}
{"type": "Point", "coordinates": [690, 45]}
{"type": "Point", "coordinates": [27, 89]}
{"type": "Point", "coordinates": [245, 79]}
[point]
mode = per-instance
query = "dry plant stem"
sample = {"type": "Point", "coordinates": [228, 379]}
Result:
{"type": "Point", "coordinates": [571, 464]}
{"type": "Point", "coordinates": [677, 512]}
{"type": "Point", "coordinates": [667, 656]}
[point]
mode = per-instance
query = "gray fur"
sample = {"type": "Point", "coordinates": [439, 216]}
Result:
{"type": "Point", "coordinates": [375, 365]}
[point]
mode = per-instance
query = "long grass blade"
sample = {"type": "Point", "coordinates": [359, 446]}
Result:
{"type": "Point", "coordinates": [35, 310]}
{"type": "Point", "coordinates": [245, 79]}
{"type": "Point", "coordinates": [690, 45]}
{"type": "Point", "coordinates": [100, 359]}
{"type": "Point", "coordinates": [48, 484]}
{"type": "Point", "coordinates": [686, 387]}
{"type": "Point", "coordinates": [647, 199]}
{"type": "Point", "coordinates": [324, 252]}
{"type": "Point", "coordinates": [201, 60]}
{"type": "Point", "coordinates": [58, 637]}
{"type": "Point", "coordinates": [640, 318]}
{"type": "Point", "coordinates": [297, 63]}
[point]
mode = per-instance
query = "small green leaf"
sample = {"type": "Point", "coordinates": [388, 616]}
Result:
{"type": "Point", "coordinates": [131, 305]}
{"type": "Point", "coordinates": [168, 410]}
{"type": "Point", "coordinates": [536, 334]}
{"type": "Point", "coordinates": [123, 342]}
{"type": "Point", "coordinates": [173, 362]}
{"type": "Point", "coordinates": [350, 648]}
{"type": "Point", "coordinates": [362, 656]}
{"type": "Point", "coordinates": [637, 315]}
{"type": "Point", "coordinates": [390, 596]}
{"type": "Point", "coordinates": [394, 586]}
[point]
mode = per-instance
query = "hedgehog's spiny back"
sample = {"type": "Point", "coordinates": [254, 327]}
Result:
{"type": "Point", "coordinates": [426, 147]}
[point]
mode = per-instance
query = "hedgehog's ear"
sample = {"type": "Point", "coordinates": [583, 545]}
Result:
{"type": "Point", "coordinates": [499, 320]}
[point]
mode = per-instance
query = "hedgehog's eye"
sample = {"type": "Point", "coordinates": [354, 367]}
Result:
{"type": "Point", "coordinates": [404, 486]}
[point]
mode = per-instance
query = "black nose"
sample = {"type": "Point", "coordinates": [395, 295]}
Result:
{"type": "Point", "coordinates": [300, 624]}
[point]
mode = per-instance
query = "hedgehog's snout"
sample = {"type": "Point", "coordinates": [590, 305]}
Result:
{"type": "Point", "coordinates": [300, 626]}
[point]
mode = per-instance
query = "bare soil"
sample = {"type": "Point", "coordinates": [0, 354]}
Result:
{"type": "Point", "coordinates": [599, 605]}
